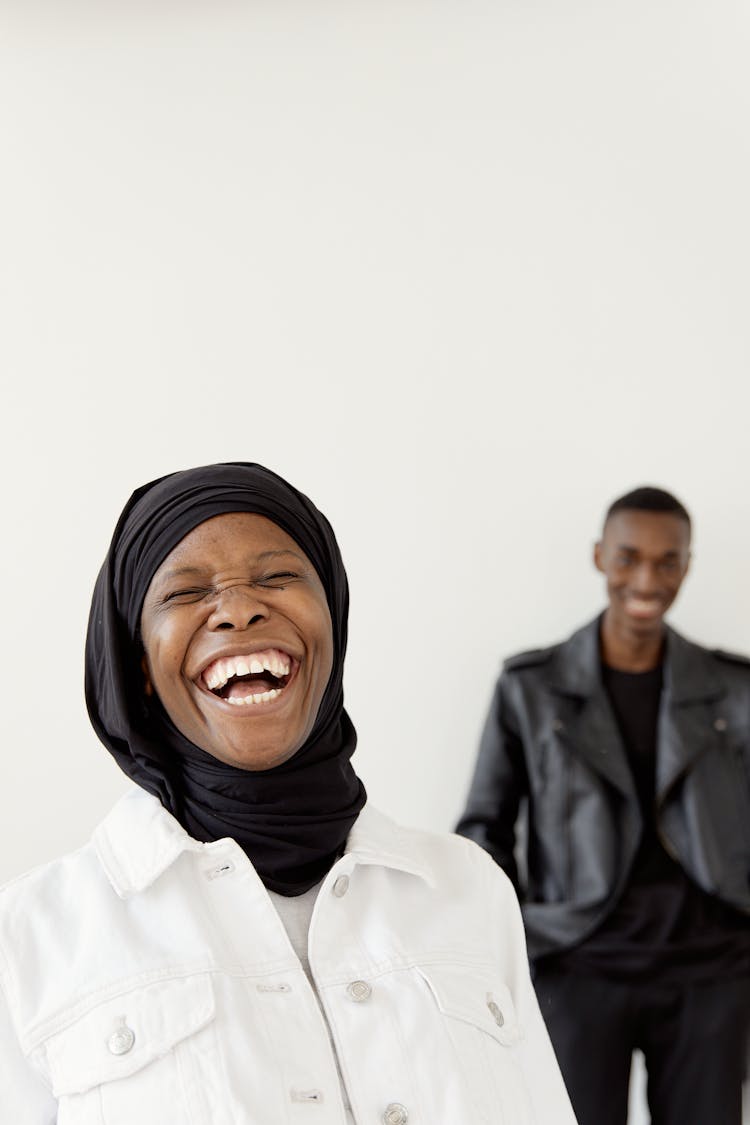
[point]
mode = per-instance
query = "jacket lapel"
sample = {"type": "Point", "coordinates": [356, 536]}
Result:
{"type": "Point", "coordinates": [586, 722]}
{"type": "Point", "coordinates": [685, 731]}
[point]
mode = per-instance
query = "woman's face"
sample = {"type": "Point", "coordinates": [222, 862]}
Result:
{"type": "Point", "coordinates": [238, 640]}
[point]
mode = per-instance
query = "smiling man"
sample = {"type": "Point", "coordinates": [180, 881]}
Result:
{"type": "Point", "coordinates": [613, 786]}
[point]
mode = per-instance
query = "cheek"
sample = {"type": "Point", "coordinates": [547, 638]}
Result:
{"type": "Point", "coordinates": [162, 659]}
{"type": "Point", "coordinates": [154, 675]}
{"type": "Point", "coordinates": [321, 624]}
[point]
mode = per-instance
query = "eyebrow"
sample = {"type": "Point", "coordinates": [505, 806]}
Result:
{"type": "Point", "coordinates": [636, 551]}
{"type": "Point", "coordinates": [193, 571]}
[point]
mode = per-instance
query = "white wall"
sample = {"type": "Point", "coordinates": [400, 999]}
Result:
{"type": "Point", "coordinates": [462, 271]}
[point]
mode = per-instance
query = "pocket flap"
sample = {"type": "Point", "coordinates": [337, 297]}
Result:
{"type": "Point", "coordinates": [476, 996]}
{"type": "Point", "coordinates": [124, 1034]}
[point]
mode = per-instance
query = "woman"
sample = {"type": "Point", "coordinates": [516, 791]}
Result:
{"type": "Point", "coordinates": [244, 941]}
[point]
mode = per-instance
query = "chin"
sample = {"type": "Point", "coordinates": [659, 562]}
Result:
{"type": "Point", "coordinates": [253, 760]}
{"type": "Point", "coordinates": [644, 624]}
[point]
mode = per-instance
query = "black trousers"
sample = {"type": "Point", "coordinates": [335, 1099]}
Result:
{"type": "Point", "coordinates": [694, 1038]}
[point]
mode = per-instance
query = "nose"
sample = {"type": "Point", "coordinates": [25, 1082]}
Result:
{"type": "Point", "coordinates": [237, 607]}
{"type": "Point", "coordinates": [646, 579]}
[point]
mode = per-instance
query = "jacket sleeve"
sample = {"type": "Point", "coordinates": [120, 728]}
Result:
{"type": "Point", "coordinates": [500, 781]}
{"type": "Point", "coordinates": [24, 1096]}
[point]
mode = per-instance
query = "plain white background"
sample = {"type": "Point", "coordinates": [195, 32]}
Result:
{"type": "Point", "coordinates": [463, 272]}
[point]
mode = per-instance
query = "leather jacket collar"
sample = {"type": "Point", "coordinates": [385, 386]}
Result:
{"type": "Point", "coordinates": [689, 670]}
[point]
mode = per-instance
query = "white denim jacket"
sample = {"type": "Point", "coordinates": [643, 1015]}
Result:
{"type": "Point", "coordinates": [148, 980]}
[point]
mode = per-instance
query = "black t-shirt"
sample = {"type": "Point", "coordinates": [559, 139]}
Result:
{"type": "Point", "coordinates": [663, 925]}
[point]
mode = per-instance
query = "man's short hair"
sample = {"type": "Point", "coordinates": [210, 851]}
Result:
{"type": "Point", "coordinates": [648, 499]}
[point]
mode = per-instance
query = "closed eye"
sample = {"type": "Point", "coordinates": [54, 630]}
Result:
{"type": "Point", "coordinates": [188, 594]}
{"type": "Point", "coordinates": [279, 578]}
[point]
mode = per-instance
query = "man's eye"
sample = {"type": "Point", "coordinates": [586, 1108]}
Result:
{"type": "Point", "coordinates": [624, 560]}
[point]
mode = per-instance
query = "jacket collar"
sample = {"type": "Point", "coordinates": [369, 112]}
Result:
{"type": "Point", "coordinates": [588, 723]}
{"type": "Point", "coordinates": [376, 839]}
{"type": "Point", "coordinates": [689, 670]}
{"type": "Point", "coordinates": [139, 840]}
{"type": "Point", "coordinates": [575, 665]}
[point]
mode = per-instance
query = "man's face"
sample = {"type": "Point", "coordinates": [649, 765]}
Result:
{"type": "Point", "coordinates": [644, 557]}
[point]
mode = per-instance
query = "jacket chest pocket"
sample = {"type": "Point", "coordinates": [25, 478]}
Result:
{"type": "Point", "coordinates": [133, 1060]}
{"type": "Point", "coordinates": [481, 1022]}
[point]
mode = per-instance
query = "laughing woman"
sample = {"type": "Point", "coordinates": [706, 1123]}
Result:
{"type": "Point", "coordinates": [245, 941]}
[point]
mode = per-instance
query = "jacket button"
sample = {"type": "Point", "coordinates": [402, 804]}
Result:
{"type": "Point", "coordinates": [395, 1114]}
{"type": "Point", "coordinates": [359, 990]}
{"type": "Point", "coordinates": [341, 886]}
{"type": "Point", "coordinates": [720, 724]}
{"type": "Point", "coordinates": [495, 1012]}
{"type": "Point", "coordinates": [558, 725]}
{"type": "Point", "coordinates": [121, 1041]}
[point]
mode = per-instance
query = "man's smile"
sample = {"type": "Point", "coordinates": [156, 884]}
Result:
{"type": "Point", "coordinates": [647, 609]}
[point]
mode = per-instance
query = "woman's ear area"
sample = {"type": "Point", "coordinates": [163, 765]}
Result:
{"type": "Point", "coordinates": [148, 687]}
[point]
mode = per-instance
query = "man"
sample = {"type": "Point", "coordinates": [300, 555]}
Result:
{"type": "Point", "coordinates": [622, 756]}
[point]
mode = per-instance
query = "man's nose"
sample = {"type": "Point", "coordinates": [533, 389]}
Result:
{"type": "Point", "coordinates": [237, 607]}
{"type": "Point", "coordinates": [646, 579]}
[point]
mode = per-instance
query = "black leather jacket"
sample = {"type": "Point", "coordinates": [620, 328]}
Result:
{"type": "Point", "coordinates": [551, 749]}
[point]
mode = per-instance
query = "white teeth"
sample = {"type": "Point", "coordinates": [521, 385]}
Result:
{"type": "Point", "coordinates": [222, 670]}
{"type": "Point", "coordinates": [215, 679]}
{"type": "Point", "coordinates": [263, 697]}
{"type": "Point", "coordinates": [643, 605]}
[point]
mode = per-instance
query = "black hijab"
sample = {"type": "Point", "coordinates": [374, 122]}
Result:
{"type": "Point", "coordinates": [292, 820]}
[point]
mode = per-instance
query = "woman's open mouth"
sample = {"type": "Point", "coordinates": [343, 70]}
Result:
{"type": "Point", "coordinates": [251, 679]}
